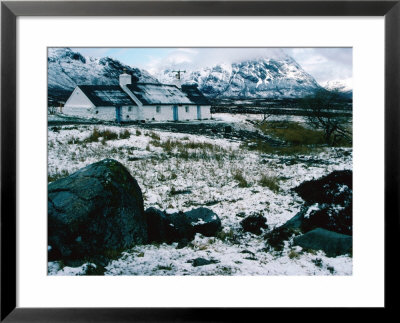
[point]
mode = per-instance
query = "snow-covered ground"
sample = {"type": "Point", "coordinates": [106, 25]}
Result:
{"type": "Point", "coordinates": [207, 173]}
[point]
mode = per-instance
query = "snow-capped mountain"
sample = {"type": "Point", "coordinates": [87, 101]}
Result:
{"type": "Point", "coordinates": [67, 68]}
{"type": "Point", "coordinates": [260, 78]}
{"type": "Point", "coordinates": [344, 87]}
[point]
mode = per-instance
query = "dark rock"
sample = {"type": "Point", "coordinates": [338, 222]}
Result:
{"type": "Point", "coordinates": [157, 225]}
{"type": "Point", "coordinates": [330, 217]}
{"type": "Point", "coordinates": [204, 221]}
{"type": "Point", "coordinates": [295, 223]}
{"type": "Point", "coordinates": [96, 211]}
{"type": "Point", "coordinates": [163, 227]}
{"type": "Point", "coordinates": [182, 244]}
{"type": "Point", "coordinates": [178, 227]}
{"type": "Point", "coordinates": [254, 223]}
{"type": "Point", "coordinates": [202, 262]}
{"type": "Point", "coordinates": [335, 188]}
{"type": "Point", "coordinates": [328, 204]}
{"type": "Point", "coordinates": [332, 243]}
{"type": "Point", "coordinates": [276, 238]}
{"type": "Point", "coordinates": [181, 227]}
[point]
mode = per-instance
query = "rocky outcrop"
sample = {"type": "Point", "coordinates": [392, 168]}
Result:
{"type": "Point", "coordinates": [326, 215]}
{"type": "Point", "coordinates": [96, 211]}
{"type": "Point", "coordinates": [329, 203]}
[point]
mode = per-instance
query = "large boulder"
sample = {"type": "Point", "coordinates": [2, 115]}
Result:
{"type": "Point", "coordinates": [181, 226]}
{"type": "Point", "coordinates": [96, 211]}
{"type": "Point", "coordinates": [332, 243]}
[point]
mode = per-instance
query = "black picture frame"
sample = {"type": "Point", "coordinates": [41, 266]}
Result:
{"type": "Point", "coordinates": [10, 10]}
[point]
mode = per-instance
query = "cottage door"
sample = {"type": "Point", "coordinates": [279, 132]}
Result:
{"type": "Point", "coordinates": [175, 112]}
{"type": "Point", "coordinates": [118, 114]}
{"type": "Point", "coordinates": [199, 112]}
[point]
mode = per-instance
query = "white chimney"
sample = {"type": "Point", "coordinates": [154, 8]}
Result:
{"type": "Point", "coordinates": [125, 79]}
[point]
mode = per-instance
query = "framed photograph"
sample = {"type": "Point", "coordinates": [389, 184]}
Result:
{"type": "Point", "coordinates": [153, 150]}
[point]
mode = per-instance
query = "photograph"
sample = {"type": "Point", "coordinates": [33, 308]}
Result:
{"type": "Point", "coordinates": [200, 161]}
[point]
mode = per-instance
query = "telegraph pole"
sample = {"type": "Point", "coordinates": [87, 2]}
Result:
{"type": "Point", "coordinates": [178, 74]}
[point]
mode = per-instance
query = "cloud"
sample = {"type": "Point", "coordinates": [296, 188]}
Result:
{"type": "Point", "coordinates": [195, 58]}
{"type": "Point", "coordinates": [325, 64]}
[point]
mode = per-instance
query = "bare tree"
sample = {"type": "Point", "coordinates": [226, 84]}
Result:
{"type": "Point", "coordinates": [320, 115]}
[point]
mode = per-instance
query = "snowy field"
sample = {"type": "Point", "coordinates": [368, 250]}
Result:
{"type": "Point", "coordinates": [164, 164]}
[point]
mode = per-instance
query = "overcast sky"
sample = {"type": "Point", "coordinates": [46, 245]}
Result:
{"type": "Point", "coordinates": [324, 64]}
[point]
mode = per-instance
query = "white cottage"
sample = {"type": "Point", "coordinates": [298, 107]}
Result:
{"type": "Point", "coordinates": [138, 101]}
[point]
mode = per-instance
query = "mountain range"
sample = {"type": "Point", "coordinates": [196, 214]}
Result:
{"type": "Point", "coordinates": [259, 78]}
{"type": "Point", "coordinates": [262, 78]}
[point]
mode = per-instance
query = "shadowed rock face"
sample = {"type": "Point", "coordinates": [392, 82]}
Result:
{"type": "Point", "coordinates": [96, 211]}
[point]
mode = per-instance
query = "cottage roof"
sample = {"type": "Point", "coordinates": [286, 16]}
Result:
{"type": "Point", "coordinates": [194, 94]}
{"type": "Point", "coordinates": [159, 94]}
{"type": "Point", "coordinates": [106, 95]}
{"type": "Point", "coordinates": [147, 94]}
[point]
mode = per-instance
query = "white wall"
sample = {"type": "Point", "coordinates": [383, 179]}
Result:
{"type": "Point", "coordinates": [78, 99]}
{"type": "Point", "coordinates": [101, 113]}
{"type": "Point", "coordinates": [166, 113]}
{"type": "Point", "coordinates": [130, 113]}
{"type": "Point", "coordinates": [80, 106]}
{"type": "Point", "coordinates": [191, 114]}
{"type": "Point", "coordinates": [205, 112]}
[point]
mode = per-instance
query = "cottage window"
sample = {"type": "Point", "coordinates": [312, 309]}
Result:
{"type": "Point", "coordinates": [158, 109]}
{"type": "Point", "coordinates": [129, 109]}
{"type": "Point", "coordinates": [187, 109]}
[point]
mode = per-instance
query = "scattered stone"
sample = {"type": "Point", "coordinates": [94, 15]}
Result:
{"type": "Point", "coordinates": [251, 258]}
{"type": "Point", "coordinates": [203, 262]}
{"type": "Point", "coordinates": [248, 251]}
{"type": "Point", "coordinates": [332, 243]}
{"type": "Point", "coordinates": [177, 192]}
{"type": "Point", "coordinates": [98, 210]}
{"type": "Point", "coordinates": [277, 237]}
{"type": "Point", "coordinates": [254, 223]}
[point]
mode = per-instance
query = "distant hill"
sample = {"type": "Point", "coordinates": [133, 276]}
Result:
{"type": "Point", "coordinates": [340, 86]}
